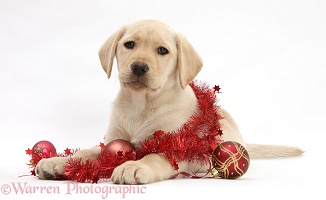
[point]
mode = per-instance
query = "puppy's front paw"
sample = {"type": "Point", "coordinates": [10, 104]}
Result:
{"type": "Point", "coordinates": [51, 168]}
{"type": "Point", "coordinates": [134, 172]}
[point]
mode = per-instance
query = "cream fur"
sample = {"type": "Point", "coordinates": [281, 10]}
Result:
{"type": "Point", "coordinates": [159, 100]}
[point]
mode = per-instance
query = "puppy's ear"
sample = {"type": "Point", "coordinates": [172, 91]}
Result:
{"type": "Point", "coordinates": [189, 62]}
{"type": "Point", "coordinates": [107, 51]}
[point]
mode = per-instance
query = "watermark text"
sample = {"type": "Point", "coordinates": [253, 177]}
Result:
{"type": "Point", "coordinates": [72, 188]}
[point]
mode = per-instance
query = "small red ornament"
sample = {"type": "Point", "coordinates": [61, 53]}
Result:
{"type": "Point", "coordinates": [102, 145]}
{"type": "Point", "coordinates": [68, 152]}
{"type": "Point", "coordinates": [217, 88]}
{"type": "Point", "coordinates": [43, 149]}
{"type": "Point", "coordinates": [29, 151]}
{"type": "Point", "coordinates": [230, 160]}
{"type": "Point", "coordinates": [118, 145]}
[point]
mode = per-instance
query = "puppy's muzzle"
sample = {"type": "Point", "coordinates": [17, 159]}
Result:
{"type": "Point", "coordinates": [139, 68]}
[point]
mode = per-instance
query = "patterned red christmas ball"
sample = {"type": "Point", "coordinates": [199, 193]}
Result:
{"type": "Point", "coordinates": [230, 160]}
{"type": "Point", "coordinates": [118, 145]}
{"type": "Point", "coordinates": [43, 149]}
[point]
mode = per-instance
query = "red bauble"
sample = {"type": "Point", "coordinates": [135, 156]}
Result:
{"type": "Point", "coordinates": [230, 160]}
{"type": "Point", "coordinates": [118, 145]}
{"type": "Point", "coordinates": [43, 149]}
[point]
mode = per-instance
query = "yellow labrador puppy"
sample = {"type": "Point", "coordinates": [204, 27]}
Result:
{"type": "Point", "coordinates": [155, 66]}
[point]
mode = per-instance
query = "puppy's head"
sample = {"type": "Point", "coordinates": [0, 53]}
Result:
{"type": "Point", "coordinates": [150, 55]}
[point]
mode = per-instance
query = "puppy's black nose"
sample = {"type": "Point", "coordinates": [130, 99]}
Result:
{"type": "Point", "coordinates": [139, 68]}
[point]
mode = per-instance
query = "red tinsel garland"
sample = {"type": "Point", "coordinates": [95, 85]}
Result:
{"type": "Point", "coordinates": [38, 156]}
{"type": "Point", "coordinates": [193, 141]}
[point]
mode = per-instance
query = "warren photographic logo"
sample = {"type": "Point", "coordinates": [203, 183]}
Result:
{"type": "Point", "coordinates": [72, 188]}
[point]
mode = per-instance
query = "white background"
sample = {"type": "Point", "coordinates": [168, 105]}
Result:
{"type": "Point", "coordinates": [269, 58]}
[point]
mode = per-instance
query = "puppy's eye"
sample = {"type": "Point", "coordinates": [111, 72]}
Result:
{"type": "Point", "coordinates": [129, 45]}
{"type": "Point", "coordinates": [162, 51]}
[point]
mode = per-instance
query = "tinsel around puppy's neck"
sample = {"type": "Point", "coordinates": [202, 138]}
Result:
{"type": "Point", "coordinates": [195, 141]}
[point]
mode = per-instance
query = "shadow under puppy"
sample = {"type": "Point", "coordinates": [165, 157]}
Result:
{"type": "Point", "coordinates": [156, 65]}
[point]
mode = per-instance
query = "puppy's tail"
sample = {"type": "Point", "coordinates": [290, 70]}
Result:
{"type": "Point", "coordinates": [272, 151]}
